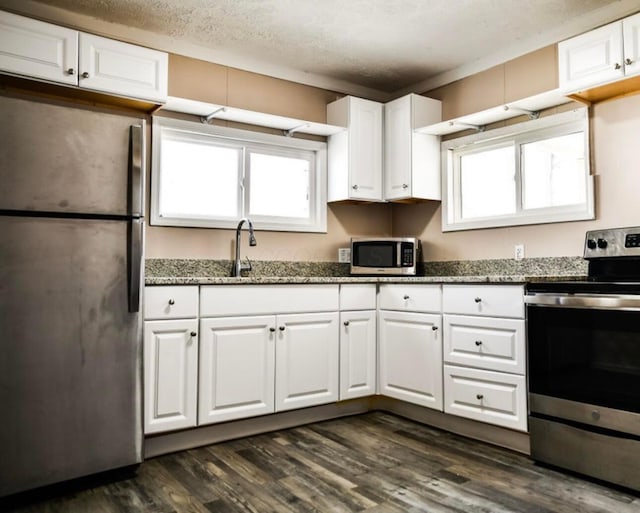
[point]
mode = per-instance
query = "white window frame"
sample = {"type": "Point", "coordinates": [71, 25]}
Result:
{"type": "Point", "coordinates": [272, 144]}
{"type": "Point", "coordinates": [530, 131]}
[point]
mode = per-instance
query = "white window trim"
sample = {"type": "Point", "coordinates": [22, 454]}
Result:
{"type": "Point", "coordinates": [318, 218]}
{"type": "Point", "coordinates": [547, 126]}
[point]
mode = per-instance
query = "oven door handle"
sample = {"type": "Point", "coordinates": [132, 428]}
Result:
{"type": "Point", "coordinates": [599, 302]}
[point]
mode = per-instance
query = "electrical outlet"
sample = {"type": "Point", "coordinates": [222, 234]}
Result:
{"type": "Point", "coordinates": [519, 251]}
{"type": "Point", "coordinates": [344, 255]}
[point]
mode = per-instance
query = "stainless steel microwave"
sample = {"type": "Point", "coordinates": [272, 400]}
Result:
{"type": "Point", "coordinates": [389, 255]}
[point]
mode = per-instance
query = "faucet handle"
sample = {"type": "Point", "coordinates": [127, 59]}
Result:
{"type": "Point", "coordinates": [247, 266]}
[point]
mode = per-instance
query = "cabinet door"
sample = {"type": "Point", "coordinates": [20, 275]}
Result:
{"type": "Point", "coordinates": [410, 361]}
{"type": "Point", "coordinates": [123, 69]}
{"type": "Point", "coordinates": [36, 49]}
{"type": "Point", "coordinates": [397, 146]}
{"type": "Point", "coordinates": [357, 354]}
{"type": "Point", "coordinates": [631, 34]}
{"type": "Point", "coordinates": [237, 358]}
{"type": "Point", "coordinates": [170, 374]}
{"type": "Point", "coordinates": [307, 357]}
{"type": "Point", "coordinates": [365, 155]}
{"type": "Point", "coordinates": [591, 59]}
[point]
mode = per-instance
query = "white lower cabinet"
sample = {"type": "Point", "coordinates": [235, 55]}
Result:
{"type": "Point", "coordinates": [170, 374]}
{"type": "Point", "coordinates": [410, 352]}
{"type": "Point", "coordinates": [307, 360]}
{"type": "Point", "coordinates": [237, 358]}
{"type": "Point", "coordinates": [357, 354]}
{"type": "Point", "coordinates": [493, 397]}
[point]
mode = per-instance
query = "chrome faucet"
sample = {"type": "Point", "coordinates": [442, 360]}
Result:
{"type": "Point", "coordinates": [238, 266]}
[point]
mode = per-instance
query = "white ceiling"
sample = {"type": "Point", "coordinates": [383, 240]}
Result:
{"type": "Point", "coordinates": [374, 48]}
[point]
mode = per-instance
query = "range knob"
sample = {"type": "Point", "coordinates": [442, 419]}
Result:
{"type": "Point", "coordinates": [591, 243]}
{"type": "Point", "coordinates": [602, 243]}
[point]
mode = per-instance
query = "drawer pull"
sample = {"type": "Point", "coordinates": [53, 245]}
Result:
{"type": "Point", "coordinates": [406, 297]}
{"type": "Point", "coordinates": [478, 342]}
{"type": "Point", "coordinates": [172, 302]}
{"type": "Point", "coordinates": [479, 397]}
{"type": "Point", "coordinates": [193, 333]}
{"type": "Point", "coordinates": [281, 328]}
{"type": "Point", "coordinates": [272, 329]}
{"type": "Point", "coordinates": [478, 300]}
{"type": "Point", "coordinates": [346, 323]}
{"type": "Point", "coordinates": [434, 328]}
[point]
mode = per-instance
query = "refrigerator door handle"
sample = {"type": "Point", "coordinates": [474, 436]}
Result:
{"type": "Point", "coordinates": [136, 169]}
{"type": "Point", "coordinates": [134, 258]}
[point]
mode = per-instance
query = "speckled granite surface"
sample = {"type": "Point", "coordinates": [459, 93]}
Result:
{"type": "Point", "coordinates": [208, 272]}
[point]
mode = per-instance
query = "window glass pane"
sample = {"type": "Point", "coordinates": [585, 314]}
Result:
{"type": "Point", "coordinates": [199, 179]}
{"type": "Point", "coordinates": [279, 186]}
{"type": "Point", "coordinates": [553, 172]}
{"type": "Point", "coordinates": [487, 183]}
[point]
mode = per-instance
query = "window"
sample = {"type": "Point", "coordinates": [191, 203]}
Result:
{"type": "Point", "coordinates": [208, 176]}
{"type": "Point", "coordinates": [533, 172]}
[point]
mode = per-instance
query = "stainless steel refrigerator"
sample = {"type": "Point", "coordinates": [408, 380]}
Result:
{"type": "Point", "coordinates": [71, 256]}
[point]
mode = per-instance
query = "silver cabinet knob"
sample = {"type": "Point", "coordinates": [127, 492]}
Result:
{"type": "Point", "coordinates": [405, 185]}
{"type": "Point", "coordinates": [479, 397]}
{"type": "Point", "coordinates": [354, 187]}
{"type": "Point", "coordinates": [434, 328]}
{"type": "Point", "coordinates": [406, 297]}
{"type": "Point", "coordinates": [272, 329]}
{"type": "Point", "coordinates": [346, 323]}
{"type": "Point", "coordinates": [71, 71]}
{"type": "Point", "coordinates": [281, 328]}
{"type": "Point", "coordinates": [628, 61]}
{"type": "Point", "coordinates": [478, 342]}
{"type": "Point", "coordinates": [85, 74]}
{"type": "Point", "coordinates": [478, 300]}
{"type": "Point", "coordinates": [617, 65]}
{"type": "Point", "coordinates": [172, 302]}
{"type": "Point", "coordinates": [193, 333]}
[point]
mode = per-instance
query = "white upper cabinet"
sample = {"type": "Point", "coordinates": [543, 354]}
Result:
{"type": "Point", "coordinates": [600, 56]}
{"type": "Point", "coordinates": [355, 155]}
{"type": "Point", "coordinates": [43, 51]}
{"type": "Point", "coordinates": [411, 159]}
{"type": "Point", "coordinates": [120, 68]}
{"type": "Point", "coordinates": [37, 49]}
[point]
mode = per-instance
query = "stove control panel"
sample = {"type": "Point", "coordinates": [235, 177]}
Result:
{"type": "Point", "coordinates": [614, 242]}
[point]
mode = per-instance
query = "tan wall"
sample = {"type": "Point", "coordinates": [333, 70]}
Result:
{"type": "Point", "coordinates": [203, 81]}
{"type": "Point", "coordinates": [615, 128]}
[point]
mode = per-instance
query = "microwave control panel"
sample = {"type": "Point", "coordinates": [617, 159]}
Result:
{"type": "Point", "coordinates": [406, 257]}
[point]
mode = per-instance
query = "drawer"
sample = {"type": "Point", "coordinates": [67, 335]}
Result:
{"type": "Point", "coordinates": [223, 300]}
{"type": "Point", "coordinates": [410, 298]}
{"type": "Point", "coordinates": [358, 297]}
{"type": "Point", "coordinates": [490, 343]}
{"type": "Point", "coordinates": [486, 396]}
{"type": "Point", "coordinates": [180, 302]}
{"type": "Point", "coordinates": [489, 300]}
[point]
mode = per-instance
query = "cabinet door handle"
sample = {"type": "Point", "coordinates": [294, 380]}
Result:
{"type": "Point", "coordinates": [354, 187]}
{"type": "Point", "coordinates": [434, 328]}
{"type": "Point", "coordinates": [406, 297]}
{"type": "Point", "coordinates": [479, 397]}
{"type": "Point", "coordinates": [346, 323]}
{"type": "Point", "coordinates": [71, 71]}
{"type": "Point", "coordinates": [281, 328]}
{"type": "Point", "coordinates": [272, 329]}
{"type": "Point", "coordinates": [628, 61]}
{"type": "Point", "coordinates": [85, 74]}
{"type": "Point", "coordinates": [478, 342]}
{"type": "Point", "coordinates": [617, 66]}
{"type": "Point", "coordinates": [478, 300]}
{"type": "Point", "coordinates": [172, 302]}
{"type": "Point", "coordinates": [405, 185]}
{"type": "Point", "coordinates": [193, 333]}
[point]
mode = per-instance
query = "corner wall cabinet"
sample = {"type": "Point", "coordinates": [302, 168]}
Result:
{"type": "Point", "coordinates": [411, 159]}
{"type": "Point", "coordinates": [484, 354]}
{"type": "Point", "coordinates": [170, 346]}
{"type": "Point", "coordinates": [355, 155]}
{"type": "Point", "coordinates": [35, 49]}
{"type": "Point", "coordinates": [410, 343]}
{"type": "Point", "coordinates": [601, 56]}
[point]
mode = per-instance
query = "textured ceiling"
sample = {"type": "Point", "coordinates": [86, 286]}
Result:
{"type": "Point", "coordinates": [385, 45]}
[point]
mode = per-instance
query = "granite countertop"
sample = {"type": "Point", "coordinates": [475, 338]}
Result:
{"type": "Point", "coordinates": [216, 272]}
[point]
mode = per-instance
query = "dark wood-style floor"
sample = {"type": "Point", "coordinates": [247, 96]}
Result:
{"type": "Point", "coordinates": [374, 462]}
